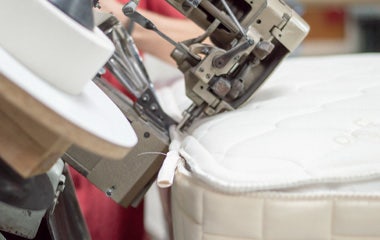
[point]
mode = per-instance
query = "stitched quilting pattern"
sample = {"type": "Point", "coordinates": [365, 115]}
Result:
{"type": "Point", "coordinates": [200, 213]}
{"type": "Point", "coordinates": [316, 120]}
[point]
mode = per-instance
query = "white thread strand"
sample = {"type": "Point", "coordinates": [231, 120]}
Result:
{"type": "Point", "coordinates": [151, 153]}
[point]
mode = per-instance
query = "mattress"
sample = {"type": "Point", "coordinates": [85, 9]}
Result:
{"type": "Point", "coordinates": [300, 160]}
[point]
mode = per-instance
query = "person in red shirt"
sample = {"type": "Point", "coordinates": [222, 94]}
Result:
{"type": "Point", "coordinates": [165, 17]}
{"type": "Point", "coordinates": [105, 218]}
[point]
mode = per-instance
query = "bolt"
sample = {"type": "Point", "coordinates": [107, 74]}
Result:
{"type": "Point", "coordinates": [146, 135]}
{"type": "Point", "coordinates": [145, 97]}
{"type": "Point", "coordinates": [153, 107]}
{"type": "Point", "coordinates": [109, 191]}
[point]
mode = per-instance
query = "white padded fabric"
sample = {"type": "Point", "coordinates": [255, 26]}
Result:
{"type": "Point", "coordinates": [173, 98]}
{"type": "Point", "coordinates": [301, 160]}
{"type": "Point", "coordinates": [200, 212]}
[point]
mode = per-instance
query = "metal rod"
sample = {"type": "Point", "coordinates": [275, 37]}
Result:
{"type": "Point", "coordinates": [234, 19]}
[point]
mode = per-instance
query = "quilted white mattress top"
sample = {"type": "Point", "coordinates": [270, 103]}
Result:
{"type": "Point", "coordinates": [316, 121]}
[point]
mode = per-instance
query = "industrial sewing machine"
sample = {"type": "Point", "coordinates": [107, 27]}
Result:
{"type": "Point", "coordinates": [249, 39]}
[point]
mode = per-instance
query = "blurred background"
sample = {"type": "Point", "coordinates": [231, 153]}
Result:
{"type": "Point", "coordinates": [340, 26]}
{"type": "Point", "coordinates": [337, 27]}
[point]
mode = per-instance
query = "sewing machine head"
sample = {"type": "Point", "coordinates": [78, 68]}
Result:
{"type": "Point", "coordinates": [250, 38]}
{"type": "Point", "coordinates": [243, 43]}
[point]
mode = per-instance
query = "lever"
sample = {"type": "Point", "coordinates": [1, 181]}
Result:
{"type": "Point", "coordinates": [222, 60]}
{"type": "Point", "coordinates": [130, 7]}
{"type": "Point", "coordinates": [147, 24]}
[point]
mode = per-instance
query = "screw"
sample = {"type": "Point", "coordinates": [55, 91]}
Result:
{"type": "Point", "coordinates": [145, 97]}
{"type": "Point", "coordinates": [146, 135]}
{"type": "Point", "coordinates": [109, 191]}
{"type": "Point", "coordinates": [153, 107]}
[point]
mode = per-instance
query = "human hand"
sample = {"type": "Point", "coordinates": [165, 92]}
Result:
{"type": "Point", "coordinates": [115, 8]}
{"type": "Point", "coordinates": [110, 6]}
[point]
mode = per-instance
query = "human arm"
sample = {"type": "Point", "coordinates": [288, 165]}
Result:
{"type": "Point", "coordinates": [149, 41]}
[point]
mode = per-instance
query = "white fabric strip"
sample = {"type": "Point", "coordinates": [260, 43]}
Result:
{"type": "Point", "coordinates": [166, 174]}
